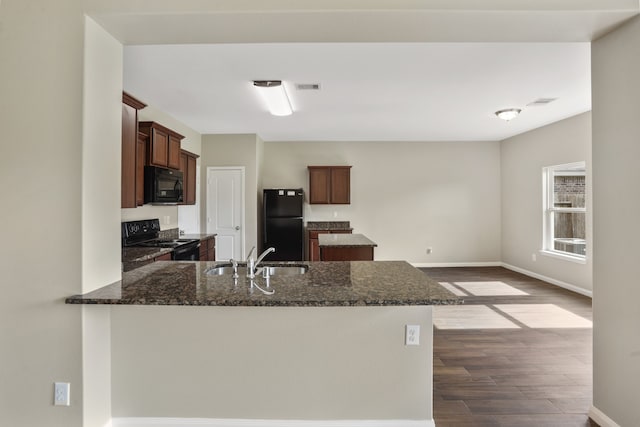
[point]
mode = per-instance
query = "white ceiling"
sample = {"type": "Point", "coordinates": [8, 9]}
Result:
{"type": "Point", "coordinates": [389, 69]}
{"type": "Point", "coordinates": [369, 91]}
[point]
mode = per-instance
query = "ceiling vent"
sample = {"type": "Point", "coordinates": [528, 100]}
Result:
{"type": "Point", "coordinates": [541, 101]}
{"type": "Point", "coordinates": [308, 86]}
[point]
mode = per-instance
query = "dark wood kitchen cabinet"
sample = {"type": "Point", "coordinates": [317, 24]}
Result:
{"type": "Point", "coordinates": [131, 181]}
{"type": "Point", "coordinates": [329, 185]}
{"type": "Point", "coordinates": [163, 145]}
{"type": "Point", "coordinates": [208, 249]}
{"type": "Point", "coordinates": [141, 154]}
{"type": "Point", "coordinates": [188, 167]}
{"type": "Point", "coordinates": [314, 247]}
{"type": "Point", "coordinates": [163, 257]}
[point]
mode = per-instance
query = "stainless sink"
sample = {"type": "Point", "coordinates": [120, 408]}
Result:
{"type": "Point", "coordinates": [286, 270]}
{"type": "Point", "coordinates": [274, 270]}
{"type": "Point", "coordinates": [226, 269]}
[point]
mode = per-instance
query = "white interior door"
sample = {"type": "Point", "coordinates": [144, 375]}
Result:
{"type": "Point", "coordinates": [225, 210]}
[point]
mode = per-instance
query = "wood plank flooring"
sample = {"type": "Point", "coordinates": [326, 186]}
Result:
{"type": "Point", "coordinates": [536, 372]}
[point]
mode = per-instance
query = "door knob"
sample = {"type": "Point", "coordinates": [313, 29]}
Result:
{"type": "Point", "coordinates": [237, 227]}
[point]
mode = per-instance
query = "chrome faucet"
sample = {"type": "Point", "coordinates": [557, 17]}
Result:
{"type": "Point", "coordinates": [234, 264]}
{"type": "Point", "coordinates": [251, 252]}
{"type": "Point", "coordinates": [252, 265]}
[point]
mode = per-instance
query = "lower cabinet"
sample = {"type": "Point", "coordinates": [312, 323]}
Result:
{"type": "Point", "coordinates": [164, 257]}
{"type": "Point", "coordinates": [360, 253]}
{"type": "Point", "coordinates": [314, 247]}
{"type": "Point", "coordinates": [208, 249]}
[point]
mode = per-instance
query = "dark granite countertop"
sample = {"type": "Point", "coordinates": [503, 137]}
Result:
{"type": "Point", "coordinates": [344, 241]}
{"type": "Point", "coordinates": [347, 283]}
{"type": "Point", "coordinates": [328, 225]}
{"type": "Point", "coordinates": [139, 253]}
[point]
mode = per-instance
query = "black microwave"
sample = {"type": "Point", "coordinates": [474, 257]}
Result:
{"type": "Point", "coordinates": [162, 186]}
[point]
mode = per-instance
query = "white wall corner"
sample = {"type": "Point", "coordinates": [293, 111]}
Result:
{"type": "Point", "coordinates": [600, 418]}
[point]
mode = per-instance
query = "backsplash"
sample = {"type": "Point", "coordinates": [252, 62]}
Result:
{"type": "Point", "coordinates": [170, 234]}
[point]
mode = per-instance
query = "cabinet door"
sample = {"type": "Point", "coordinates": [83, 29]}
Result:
{"type": "Point", "coordinates": [204, 253]}
{"type": "Point", "coordinates": [340, 186]}
{"type": "Point", "coordinates": [141, 154]}
{"type": "Point", "coordinates": [314, 250]}
{"type": "Point", "coordinates": [159, 155]}
{"type": "Point", "coordinates": [173, 153]}
{"type": "Point", "coordinates": [319, 185]}
{"type": "Point", "coordinates": [129, 138]}
{"type": "Point", "coordinates": [212, 249]}
{"type": "Point", "coordinates": [188, 168]}
{"type": "Point", "coordinates": [190, 180]}
{"type": "Point", "coordinates": [183, 169]}
{"type": "Point", "coordinates": [165, 257]}
{"type": "Point", "coordinates": [314, 247]}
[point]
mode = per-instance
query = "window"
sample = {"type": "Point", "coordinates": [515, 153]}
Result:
{"type": "Point", "coordinates": [565, 211]}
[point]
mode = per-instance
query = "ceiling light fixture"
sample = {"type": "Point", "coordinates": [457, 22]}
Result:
{"type": "Point", "coordinates": [275, 96]}
{"type": "Point", "coordinates": [508, 113]}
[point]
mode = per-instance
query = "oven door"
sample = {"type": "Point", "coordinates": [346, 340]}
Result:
{"type": "Point", "coordinates": [188, 252]}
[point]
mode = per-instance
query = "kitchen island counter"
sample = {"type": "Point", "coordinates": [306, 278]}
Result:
{"type": "Point", "coordinates": [354, 283]}
{"type": "Point", "coordinates": [329, 343]}
{"type": "Point", "coordinates": [345, 247]}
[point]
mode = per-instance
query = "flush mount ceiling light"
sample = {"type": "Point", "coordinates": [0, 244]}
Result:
{"type": "Point", "coordinates": [508, 113]}
{"type": "Point", "coordinates": [275, 96]}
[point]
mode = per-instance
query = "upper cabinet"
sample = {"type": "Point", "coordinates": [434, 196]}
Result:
{"type": "Point", "coordinates": [188, 168]}
{"type": "Point", "coordinates": [163, 145]}
{"type": "Point", "coordinates": [141, 155]}
{"type": "Point", "coordinates": [330, 185]}
{"type": "Point", "coordinates": [132, 184]}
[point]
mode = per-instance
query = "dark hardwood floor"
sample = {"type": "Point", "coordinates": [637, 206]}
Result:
{"type": "Point", "coordinates": [537, 373]}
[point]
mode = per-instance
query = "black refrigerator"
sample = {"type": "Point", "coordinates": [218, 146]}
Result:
{"type": "Point", "coordinates": [282, 226]}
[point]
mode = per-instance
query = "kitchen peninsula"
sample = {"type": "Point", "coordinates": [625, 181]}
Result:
{"type": "Point", "coordinates": [327, 345]}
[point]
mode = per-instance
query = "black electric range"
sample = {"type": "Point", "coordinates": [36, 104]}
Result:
{"type": "Point", "coordinates": [146, 232]}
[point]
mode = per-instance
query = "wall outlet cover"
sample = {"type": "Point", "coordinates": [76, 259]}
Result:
{"type": "Point", "coordinates": [412, 335]}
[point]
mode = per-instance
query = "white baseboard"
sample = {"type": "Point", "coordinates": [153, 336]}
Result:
{"type": "Point", "coordinates": [600, 418]}
{"type": "Point", "coordinates": [551, 280]}
{"type": "Point", "coordinates": [456, 264]}
{"type": "Point", "coordinates": [210, 422]}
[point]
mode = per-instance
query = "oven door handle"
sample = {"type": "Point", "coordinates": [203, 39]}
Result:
{"type": "Point", "coordinates": [183, 249]}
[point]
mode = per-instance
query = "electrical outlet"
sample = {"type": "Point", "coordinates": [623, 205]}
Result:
{"type": "Point", "coordinates": [533, 257]}
{"type": "Point", "coordinates": [429, 251]}
{"type": "Point", "coordinates": [412, 335]}
{"type": "Point", "coordinates": [61, 396]}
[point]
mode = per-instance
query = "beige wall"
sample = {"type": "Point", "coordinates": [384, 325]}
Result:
{"type": "Point", "coordinates": [406, 196]}
{"type": "Point", "coordinates": [523, 158]}
{"type": "Point", "coordinates": [235, 150]}
{"type": "Point", "coordinates": [306, 363]}
{"type": "Point", "coordinates": [616, 175]}
{"type": "Point", "coordinates": [101, 260]}
{"type": "Point", "coordinates": [41, 45]}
